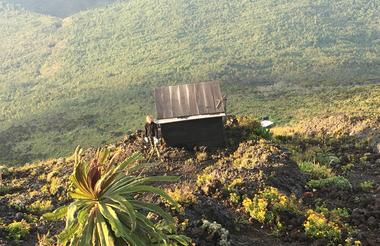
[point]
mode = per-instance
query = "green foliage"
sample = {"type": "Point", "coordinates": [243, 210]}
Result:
{"type": "Point", "coordinates": [234, 198]}
{"type": "Point", "coordinates": [183, 195]}
{"type": "Point", "coordinates": [318, 226]}
{"type": "Point", "coordinates": [18, 230]}
{"type": "Point", "coordinates": [205, 177]}
{"type": "Point", "coordinates": [215, 229]}
{"type": "Point", "coordinates": [201, 156]}
{"type": "Point", "coordinates": [340, 213]}
{"type": "Point", "coordinates": [234, 184]}
{"type": "Point", "coordinates": [59, 8]}
{"type": "Point", "coordinates": [325, 223]}
{"type": "Point", "coordinates": [44, 240]}
{"type": "Point", "coordinates": [3, 170]}
{"type": "Point", "coordinates": [266, 206]}
{"type": "Point", "coordinates": [55, 183]}
{"type": "Point", "coordinates": [327, 158]}
{"type": "Point", "coordinates": [50, 175]}
{"type": "Point", "coordinates": [253, 129]}
{"type": "Point", "coordinates": [260, 132]}
{"type": "Point", "coordinates": [315, 170]}
{"type": "Point", "coordinates": [105, 210]}
{"type": "Point", "coordinates": [347, 167]}
{"type": "Point", "coordinates": [256, 154]}
{"type": "Point", "coordinates": [367, 185]}
{"type": "Point", "coordinates": [30, 218]}
{"type": "Point", "coordinates": [338, 182]}
{"type": "Point", "coordinates": [108, 60]}
{"type": "Point", "coordinates": [6, 189]}
{"type": "Point", "coordinates": [40, 206]}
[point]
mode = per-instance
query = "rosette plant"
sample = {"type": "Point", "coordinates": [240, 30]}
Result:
{"type": "Point", "coordinates": [105, 210]}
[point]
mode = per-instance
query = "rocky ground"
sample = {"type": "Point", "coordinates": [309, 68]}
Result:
{"type": "Point", "coordinates": [315, 183]}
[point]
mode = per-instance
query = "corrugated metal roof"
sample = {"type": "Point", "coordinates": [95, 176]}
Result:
{"type": "Point", "coordinates": [188, 100]}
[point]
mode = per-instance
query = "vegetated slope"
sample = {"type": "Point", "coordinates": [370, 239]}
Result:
{"type": "Point", "coordinates": [322, 189]}
{"type": "Point", "coordinates": [60, 8]}
{"type": "Point", "coordinates": [25, 40]}
{"type": "Point", "coordinates": [90, 76]}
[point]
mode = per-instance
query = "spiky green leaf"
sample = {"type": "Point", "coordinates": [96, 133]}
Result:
{"type": "Point", "coordinates": [57, 214]}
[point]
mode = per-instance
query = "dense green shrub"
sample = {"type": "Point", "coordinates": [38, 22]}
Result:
{"type": "Point", "coordinates": [338, 182]}
{"type": "Point", "coordinates": [40, 206]}
{"type": "Point", "coordinates": [367, 185]}
{"type": "Point", "coordinates": [18, 230]}
{"type": "Point", "coordinates": [315, 170]}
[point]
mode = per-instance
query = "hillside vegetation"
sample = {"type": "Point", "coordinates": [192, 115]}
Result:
{"type": "Point", "coordinates": [88, 78]}
{"type": "Point", "coordinates": [60, 8]}
{"type": "Point", "coordinates": [315, 183]}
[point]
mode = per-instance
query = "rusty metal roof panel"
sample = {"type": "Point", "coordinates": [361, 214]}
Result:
{"type": "Point", "coordinates": [188, 100]}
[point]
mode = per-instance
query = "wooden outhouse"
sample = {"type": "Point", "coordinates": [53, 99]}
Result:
{"type": "Point", "coordinates": [191, 114]}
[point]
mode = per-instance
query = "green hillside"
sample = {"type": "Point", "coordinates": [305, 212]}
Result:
{"type": "Point", "coordinates": [60, 8]}
{"type": "Point", "coordinates": [88, 78]}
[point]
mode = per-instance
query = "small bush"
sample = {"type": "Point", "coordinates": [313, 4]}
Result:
{"type": "Point", "coordinates": [234, 198]}
{"type": "Point", "coordinates": [215, 229]}
{"type": "Point", "coordinates": [201, 156]}
{"type": "Point", "coordinates": [327, 158]}
{"type": "Point", "coordinates": [266, 205]}
{"type": "Point", "coordinates": [340, 213]}
{"type": "Point", "coordinates": [183, 195]}
{"type": "Point", "coordinates": [17, 230]}
{"type": "Point", "coordinates": [336, 214]}
{"type": "Point", "coordinates": [30, 218]}
{"type": "Point", "coordinates": [318, 226]}
{"type": "Point", "coordinates": [254, 154]}
{"type": "Point", "coordinates": [19, 202]}
{"type": "Point", "coordinates": [50, 175]}
{"type": "Point", "coordinates": [205, 178]}
{"type": "Point", "coordinates": [44, 240]}
{"type": "Point", "coordinates": [3, 170]}
{"type": "Point", "coordinates": [349, 241]}
{"type": "Point", "coordinates": [234, 184]}
{"type": "Point", "coordinates": [6, 190]}
{"type": "Point", "coordinates": [45, 189]}
{"type": "Point", "coordinates": [347, 167]}
{"type": "Point", "coordinates": [338, 182]}
{"type": "Point", "coordinates": [367, 185]}
{"type": "Point", "coordinates": [253, 129]}
{"type": "Point", "coordinates": [189, 161]}
{"type": "Point", "coordinates": [259, 132]}
{"type": "Point", "coordinates": [55, 183]}
{"type": "Point", "coordinates": [40, 206]}
{"type": "Point", "coordinates": [315, 170]}
{"type": "Point", "coordinates": [41, 177]}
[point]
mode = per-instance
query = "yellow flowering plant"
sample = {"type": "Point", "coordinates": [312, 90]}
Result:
{"type": "Point", "coordinates": [318, 226]}
{"type": "Point", "coordinates": [266, 205]}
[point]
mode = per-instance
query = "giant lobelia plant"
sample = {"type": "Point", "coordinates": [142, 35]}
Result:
{"type": "Point", "coordinates": [104, 210]}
